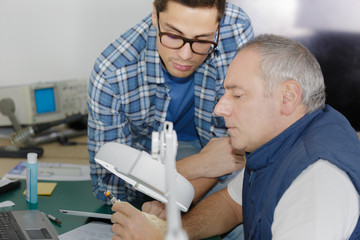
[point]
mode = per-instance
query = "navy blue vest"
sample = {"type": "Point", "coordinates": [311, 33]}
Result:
{"type": "Point", "coordinates": [324, 134]}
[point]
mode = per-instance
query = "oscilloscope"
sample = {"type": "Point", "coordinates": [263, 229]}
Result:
{"type": "Point", "coordinates": [44, 102]}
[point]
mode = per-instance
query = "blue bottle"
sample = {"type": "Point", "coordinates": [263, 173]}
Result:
{"type": "Point", "coordinates": [31, 178]}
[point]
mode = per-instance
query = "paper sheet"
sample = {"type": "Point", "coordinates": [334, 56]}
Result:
{"type": "Point", "coordinates": [4, 181]}
{"type": "Point", "coordinates": [91, 231]}
{"type": "Point", "coordinates": [7, 204]}
{"type": "Point", "coordinates": [53, 171]}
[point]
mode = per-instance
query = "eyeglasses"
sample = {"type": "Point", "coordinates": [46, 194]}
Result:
{"type": "Point", "coordinates": [173, 41]}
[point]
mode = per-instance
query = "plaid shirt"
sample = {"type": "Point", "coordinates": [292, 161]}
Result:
{"type": "Point", "coordinates": [128, 97]}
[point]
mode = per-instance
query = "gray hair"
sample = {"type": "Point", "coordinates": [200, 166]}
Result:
{"type": "Point", "coordinates": [283, 59]}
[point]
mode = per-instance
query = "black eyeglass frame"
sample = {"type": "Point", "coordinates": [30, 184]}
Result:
{"type": "Point", "coordinates": [188, 40]}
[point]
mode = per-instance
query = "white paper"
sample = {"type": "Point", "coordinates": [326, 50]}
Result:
{"type": "Point", "coordinates": [53, 171]}
{"type": "Point", "coordinates": [91, 231]}
{"type": "Point", "coordinates": [7, 204]}
{"type": "Point", "coordinates": [5, 181]}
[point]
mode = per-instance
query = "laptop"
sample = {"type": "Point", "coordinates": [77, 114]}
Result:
{"type": "Point", "coordinates": [26, 225]}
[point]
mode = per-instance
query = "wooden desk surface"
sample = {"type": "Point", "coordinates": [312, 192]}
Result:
{"type": "Point", "coordinates": [53, 152]}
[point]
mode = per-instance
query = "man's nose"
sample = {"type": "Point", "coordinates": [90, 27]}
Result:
{"type": "Point", "coordinates": [185, 52]}
{"type": "Point", "coordinates": [222, 108]}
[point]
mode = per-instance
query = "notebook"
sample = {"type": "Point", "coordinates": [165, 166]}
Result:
{"type": "Point", "coordinates": [26, 225]}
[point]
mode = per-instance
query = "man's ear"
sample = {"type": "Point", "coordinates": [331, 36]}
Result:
{"type": "Point", "coordinates": [154, 17]}
{"type": "Point", "coordinates": [291, 96]}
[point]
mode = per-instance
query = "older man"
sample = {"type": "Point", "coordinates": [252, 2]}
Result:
{"type": "Point", "coordinates": [302, 175]}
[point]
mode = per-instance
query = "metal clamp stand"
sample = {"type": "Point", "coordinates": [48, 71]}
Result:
{"type": "Point", "coordinates": [7, 108]}
{"type": "Point", "coordinates": [166, 145]}
{"type": "Point", "coordinates": [30, 137]}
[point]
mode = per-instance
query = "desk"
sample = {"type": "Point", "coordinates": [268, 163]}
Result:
{"type": "Point", "coordinates": [70, 195]}
{"type": "Point", "coordinates": [67, 195]}
{"type": "Point", "coordinates": [53, 152]}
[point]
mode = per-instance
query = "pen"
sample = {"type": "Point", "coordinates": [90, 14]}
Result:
{"type": "Point", "coordinates": [85, 214]}
{"type": "Point", "coordinates": [54, 219]}
{"type": "Point", "coordinates": [111, 197]}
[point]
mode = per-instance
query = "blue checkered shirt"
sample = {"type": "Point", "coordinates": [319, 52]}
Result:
{"type": "Point", "coordinates": [128, 97]}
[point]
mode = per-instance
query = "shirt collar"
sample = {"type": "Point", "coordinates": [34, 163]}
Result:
{"type": "Point", "coordinates": [281, 144]}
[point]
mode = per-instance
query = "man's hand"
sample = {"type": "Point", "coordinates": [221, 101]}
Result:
{"type": "Point", "coordinates": [155, 208]}
{"type": "Point", "coordinates": [216, 159]}
{"type": "Point", "coordinates": [130, 223]}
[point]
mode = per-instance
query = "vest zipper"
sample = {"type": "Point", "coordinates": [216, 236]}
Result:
{"type": "Point", "coordinates": [252, 175]}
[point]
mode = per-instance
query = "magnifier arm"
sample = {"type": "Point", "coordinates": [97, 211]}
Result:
{"type": "Point", "coordinates": [174, 228]}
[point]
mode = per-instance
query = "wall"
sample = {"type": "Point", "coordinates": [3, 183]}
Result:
{"type": "Point", "coordinates": [331, 31]}
{"type": "Point", "coordinates": [300, 17]}
{"type": "Point", "coordinates": [47, 40]}
{"type": "Point", "coordinates": [50, 40]}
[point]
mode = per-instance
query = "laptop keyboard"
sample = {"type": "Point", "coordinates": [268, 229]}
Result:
{"type": "Point", "coordinates": [9, 229]}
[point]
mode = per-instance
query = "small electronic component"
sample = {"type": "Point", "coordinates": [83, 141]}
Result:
{"type": "Point", "coordinates": [111, 197]}
{"type": "Point", "coordinates": [54, 219]}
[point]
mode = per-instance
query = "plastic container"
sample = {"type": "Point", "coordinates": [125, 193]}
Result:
{"type": "Point", "coordinates": [31, 178]}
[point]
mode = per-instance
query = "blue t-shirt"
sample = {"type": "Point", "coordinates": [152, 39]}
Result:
{"type": "Point", "coordinates": [181, 107]}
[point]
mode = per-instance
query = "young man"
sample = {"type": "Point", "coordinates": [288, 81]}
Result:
{"type": "Point", "coordinates": [170, 66]}
{"type": "Point", "coordinates": [302, 173]}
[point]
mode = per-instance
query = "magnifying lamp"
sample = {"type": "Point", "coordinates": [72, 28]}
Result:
{"type": "Point", "coordinates": [145, 172]}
